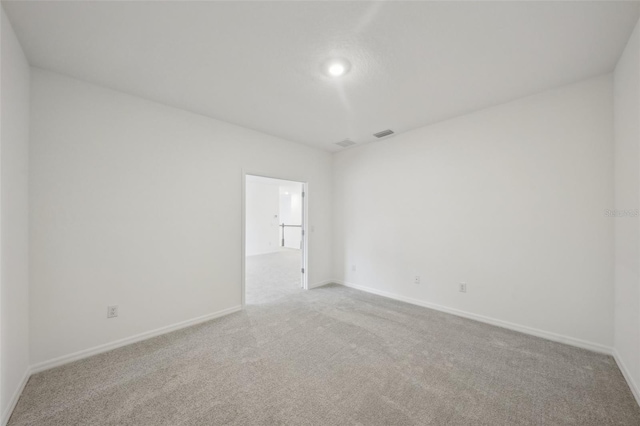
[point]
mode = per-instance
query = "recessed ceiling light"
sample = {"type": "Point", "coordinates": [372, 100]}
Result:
{"type": "Point", "coordinates": [337, 67]}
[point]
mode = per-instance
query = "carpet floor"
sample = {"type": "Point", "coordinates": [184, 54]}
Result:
{"type": "Point", "coordinates": [272, 276]}
{"type": "Point", "coordinates": [334, 356]}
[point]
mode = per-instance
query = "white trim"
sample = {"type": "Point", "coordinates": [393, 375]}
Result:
{"type": "Point", "coordinates": [65, 359]}
{"type": "Point", "coordinates": [320, 284]}
{"type": "Point", "coordinates": [635, 389]}
{"type": "Point", "coordinates": [306, 236]}
{"type": "Point", "coordinates": [243, 248]}
{"type": "Point", "coordinates": [16, 396]}
{"type": "Point", "coordinates": [596, 347]}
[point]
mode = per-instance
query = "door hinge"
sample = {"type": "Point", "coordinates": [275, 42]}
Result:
{"type": "Point", "coordinates": [302, 194]}
{"type": "Point", "coordinates": [303, 232]}
{"type": "Point", "coordinates": [303, 270]}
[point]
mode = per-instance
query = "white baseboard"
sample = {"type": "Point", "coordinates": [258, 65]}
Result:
{"type": "Point", "coordinates": [596, 347]}
{"type": "Point", "coordinates": [14, 399]}
{"type": "Point", "coordinates": [65, 359]}
{"type": "Point", "coordinates": [635, 388]}
{"type": "Point", "coordinates": [320, 284]}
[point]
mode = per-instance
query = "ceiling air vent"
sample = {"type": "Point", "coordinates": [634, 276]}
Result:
{"type": "Point", "coordinates": [345, 143]}
{"type": "Point", "coordinates": [383, 133]}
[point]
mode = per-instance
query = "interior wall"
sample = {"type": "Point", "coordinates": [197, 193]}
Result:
{"type": "Point", "coordinates": [627, 199]}
{"type": "Point", "coordinates": [509, 200]}
{"type": "Point", "coordinates": [262, 235]}
{"type": "Point", "coordinates": [14, 213]}
{"type": "Point", "coordinates": [138, 204]}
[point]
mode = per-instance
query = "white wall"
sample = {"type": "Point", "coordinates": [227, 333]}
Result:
{"type": "Point", "coordinates": [627, 197]}
{"type": "Point", "coordinates": [14, 232]}
{"type": "Point", "coordinates": [509, 199]}
{"type": "Point", "coordinates": [138, 204]}
{"type": "Point", "coordinates": [262, 232]}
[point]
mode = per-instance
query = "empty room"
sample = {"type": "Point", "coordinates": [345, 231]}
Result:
{"type": "Point", "coordinates": [319, 213]}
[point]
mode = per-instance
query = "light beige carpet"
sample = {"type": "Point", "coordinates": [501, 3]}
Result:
{"type": "Point", "coordinates": [272, 276]}
{"type": "Point", "coordinates": [334, 356]}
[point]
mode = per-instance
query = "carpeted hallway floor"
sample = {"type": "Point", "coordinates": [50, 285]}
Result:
{"type": "Point", "coordinates": [272, 276]}
{"type": "Point", "coordinates": [334, 356]}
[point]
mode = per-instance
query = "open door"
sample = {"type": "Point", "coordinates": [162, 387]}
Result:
{"type": "Point", "coordinates": [274, 240]}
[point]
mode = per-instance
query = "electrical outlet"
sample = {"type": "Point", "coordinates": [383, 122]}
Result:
{"type": "Point", "coordinates": [112, 311]}
{"type": "Point", "coordinates": [463, 287]}
{"type": "Point", "coordinates": [416, 279]}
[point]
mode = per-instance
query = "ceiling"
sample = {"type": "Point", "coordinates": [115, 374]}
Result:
{"type": "Point", "coordinates": [258, 64]}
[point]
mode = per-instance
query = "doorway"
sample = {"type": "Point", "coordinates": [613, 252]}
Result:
{"type": "Point", "coordinates": [274, 249]}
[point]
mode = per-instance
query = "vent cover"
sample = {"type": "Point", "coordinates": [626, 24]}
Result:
{"type": "Point", "coordinates": [345, 143]}
{"type": "Point", "coordinates": [383, 133]}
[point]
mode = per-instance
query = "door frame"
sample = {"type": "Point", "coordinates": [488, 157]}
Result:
{"type": "Point", "coordinates": [305, 231]}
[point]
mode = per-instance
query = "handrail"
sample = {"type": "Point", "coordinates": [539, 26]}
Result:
{"type": "Point", "coordinates": [288, 226]}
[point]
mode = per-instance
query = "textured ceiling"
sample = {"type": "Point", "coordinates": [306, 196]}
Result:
{"type": "Point", "coordinates": [258, 64]}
